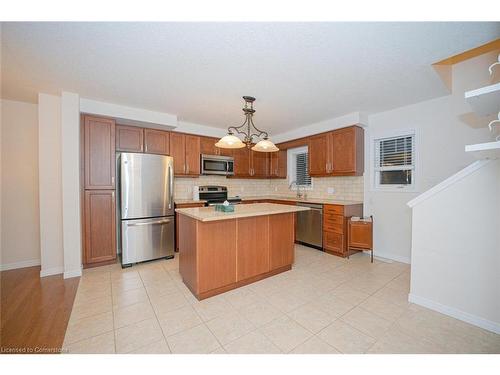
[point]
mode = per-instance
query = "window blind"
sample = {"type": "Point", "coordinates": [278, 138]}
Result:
{"type": "Point", "coordinates": [302, 175]}
{"type": "Point", "coordinates": [395, 154]}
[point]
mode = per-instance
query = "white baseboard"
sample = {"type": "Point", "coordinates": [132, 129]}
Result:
{"type": "Point", "coordinates": [73, 273]}
{"type": "Point", "coordinates": [397, 258]}
{"type": "Point", "coordinates": [23, 264]}
{"type": "Point", "coordinates": [51, 271]}
{"type": "Point", "coordinates": [455, 313]}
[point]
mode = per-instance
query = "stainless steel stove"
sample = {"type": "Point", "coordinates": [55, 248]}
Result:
{"type": "Point", "coordinates": [216, 194]}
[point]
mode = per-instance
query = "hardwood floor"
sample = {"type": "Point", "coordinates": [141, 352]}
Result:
{"type": "Point", "coordinates": [34, 311]}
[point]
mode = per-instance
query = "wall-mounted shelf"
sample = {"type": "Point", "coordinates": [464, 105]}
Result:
{"type": "Point", "coordinates": [486, 100]}
{"type": "Point", "coordinates": [490, 150]}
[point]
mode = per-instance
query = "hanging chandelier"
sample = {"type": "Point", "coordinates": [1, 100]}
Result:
{"type": "Point", "coordinates": [249, 131]}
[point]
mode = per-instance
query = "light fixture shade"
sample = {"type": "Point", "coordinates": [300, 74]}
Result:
{"type": "Point", "coordinates": [230, 141]}
{"type": "Point", "coordinates": [265, 146]}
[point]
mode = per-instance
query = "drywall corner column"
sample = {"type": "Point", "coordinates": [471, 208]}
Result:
{"type": "Point", "coordinates": [50, 187]}
{"type": "Point", "coordinates": [70, 171]}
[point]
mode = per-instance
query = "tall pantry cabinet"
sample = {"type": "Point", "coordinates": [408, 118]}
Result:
{"type": "Point", "coordinates": [98, 193]}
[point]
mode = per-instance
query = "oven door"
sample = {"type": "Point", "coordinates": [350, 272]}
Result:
{"type": "Point", "coordinates": [216, 165]}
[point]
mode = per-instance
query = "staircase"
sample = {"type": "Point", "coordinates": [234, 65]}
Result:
{"type": "Point", "coordinates": [455, 255]}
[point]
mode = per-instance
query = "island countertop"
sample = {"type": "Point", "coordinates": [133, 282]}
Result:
{"type": "Point", "coordinates": [240, 211]}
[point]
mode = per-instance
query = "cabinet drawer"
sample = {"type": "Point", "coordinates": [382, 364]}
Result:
{"type": "Point", "coordinates": [333, 241]}
{"type": "Point", "coordinates": [335, 224]}
{"type": "Point", "coordinates": [333, 209]}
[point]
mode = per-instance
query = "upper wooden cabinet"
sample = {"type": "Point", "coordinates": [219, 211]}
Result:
{"type": "Point", "coordinates": [185, 149]}
{"type": "Point", "coordinates": [248, 163]}
{"type": "Point", "coordinates": [99, 152]}
{"type": "Point", "coordinates": [156, 142]}
{"type": "Point", "coordinates": [278, 164]}
{"type": "Point", "coordinates": [192, 155]}
{"type": "Point", "coordinates": [337, 153]}
{"type": "Point", "coordinates": [319, 154]}
{"type": "Point", "coordinates": [129, 138]}
{"type": "Point", "coordinates": [259, 164]}
{"type": "Point", "coordinates": [347, 147]}
{"type": "Point", "coordinates": [207, 147]}
{"type": "Point", "coordinates": [242, 167]}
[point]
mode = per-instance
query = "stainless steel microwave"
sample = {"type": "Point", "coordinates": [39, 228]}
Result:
{"type": "Point", "coordinates": [216, 164]}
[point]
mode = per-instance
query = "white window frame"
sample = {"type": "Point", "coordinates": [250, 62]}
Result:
{"type": "Point", "coordinates": [374, 175]}
{"type": "Point", "coordinates": [291, 166]}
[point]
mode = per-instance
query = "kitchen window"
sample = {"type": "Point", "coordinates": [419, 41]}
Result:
{"type": "Point", "coordinates": [394, 163]}
{"type": "Point", "coordinates": [298, 161]}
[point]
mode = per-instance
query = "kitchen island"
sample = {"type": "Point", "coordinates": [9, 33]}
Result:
{"type": "Point", "coordinates": [220, 251]}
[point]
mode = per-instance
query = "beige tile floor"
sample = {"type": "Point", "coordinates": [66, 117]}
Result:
{"type": "Point", "coordinates": [325, 304]}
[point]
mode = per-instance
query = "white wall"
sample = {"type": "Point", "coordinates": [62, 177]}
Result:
{"type": "Point", "coordinates": [50, 188]}
{"type": "Point", "coordinates": [456, 248]}
{"type": "Point", "coordinates": [444, 126]}
{"type": "Point", "coordinates": [70, 164]}
{"type": "Point", "coordinates": [20, 238]}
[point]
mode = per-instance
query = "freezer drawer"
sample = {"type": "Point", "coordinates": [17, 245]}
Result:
{"type": "Point", "coordinates": [147, 239]}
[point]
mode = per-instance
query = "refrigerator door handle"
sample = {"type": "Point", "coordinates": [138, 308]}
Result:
{"type": "Point", "coordinates": [159, 222]}
{"type": "Point", "coordinates": [171, 186]}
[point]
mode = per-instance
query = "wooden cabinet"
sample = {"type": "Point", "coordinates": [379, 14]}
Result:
{"type": "Point", "coordinates": [281, 234]}
{"type": "Point", "coordinates": [100, 226]}
{"type": "Point", "coordinates": [99, 152]}
{"type": "Point", "coordinates": [177, 151]}
{"type": "Point", "coordinates": [319, 155]}
{"type": "Point", "coordinates": [207, 147]}
{"type": "Point", "coordinates": [156, 142]}
{"type": "Point", "coordinates": [185, 149]}
{"type": "Point", "coordinates": [129, 138]}
{"type": "Point", "coordinates": [192, 155]}
{"type": "Point", "coordinates": [248, 163]}
{"type": "Point", "coordinates": [183, 205]}
{"type": "Point", "coordinates": [252, 255]}
{"type": "Point", "coordinates": [337, 153]}
{"type": "Point", "coordinates": [347, 147]}
{"type": "Point", "coordinates": [241, 162]}
{"type": "Point", "coordinates": [259, 164]}
{"type": "Point", "coordinates": [335, 226]}
{"type": "Point", "coordinates": [278, 164]}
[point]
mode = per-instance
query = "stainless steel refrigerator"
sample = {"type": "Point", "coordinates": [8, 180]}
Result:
{"type": "Point", "coordinates": [146, 207]}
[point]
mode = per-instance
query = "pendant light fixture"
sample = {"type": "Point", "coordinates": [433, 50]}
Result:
{"type": "Point", "coordinates": [249, 131]}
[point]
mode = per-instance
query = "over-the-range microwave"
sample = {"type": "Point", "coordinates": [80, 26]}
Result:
{"type": "Point", "coordinates": [216, 164]}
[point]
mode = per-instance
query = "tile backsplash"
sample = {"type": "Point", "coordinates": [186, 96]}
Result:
{"type": "Point", "coordinates": [344, 188]}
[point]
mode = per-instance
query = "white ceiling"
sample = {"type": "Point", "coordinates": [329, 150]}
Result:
{"type": "Point", "coordinates": [300, 73]}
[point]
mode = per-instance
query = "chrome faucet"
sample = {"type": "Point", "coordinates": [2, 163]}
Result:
{"type": "Point", "coordinates": [299, 194]}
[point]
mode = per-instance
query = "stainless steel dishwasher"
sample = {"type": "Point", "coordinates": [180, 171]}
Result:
{"type": "Point", "coordinates": [310, 225]}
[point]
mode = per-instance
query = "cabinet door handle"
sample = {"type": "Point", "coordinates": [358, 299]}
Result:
{"type": "Point", "coordinates": [112, 180]}
{"type": "Point", "coordinates": [146, 148]}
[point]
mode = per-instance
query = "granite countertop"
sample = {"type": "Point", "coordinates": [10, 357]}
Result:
{"type": "Point", "coordinates": [307, 200]}
{"type": "Point", "coordinates": [188, 201]}
{"type": "Point", "coordinates": [242, 210]}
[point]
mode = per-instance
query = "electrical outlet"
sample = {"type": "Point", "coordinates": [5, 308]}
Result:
{"type": "Point", "coordinates": [275, 188]}
{"type": "Point", "coordinates": [331, 190]}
